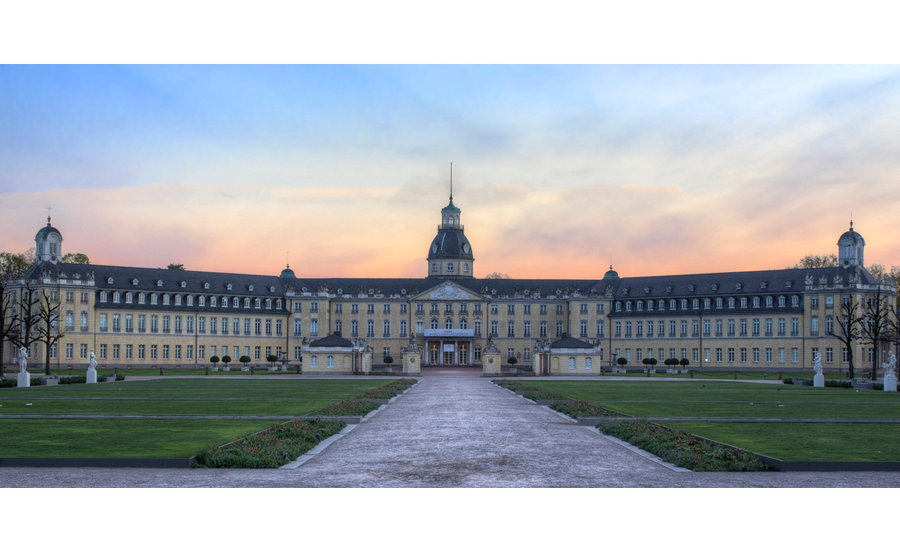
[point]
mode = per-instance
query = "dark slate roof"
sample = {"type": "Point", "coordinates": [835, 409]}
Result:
{"type": "Point", "coordinates": [777, 281]}
{"type": "Point", "coordinates": [450, 244]}
{"type": "Point", "coordinates": [148, 279]}
{"type": "Point", "coordinates": [503, 287]}
{"type": "Point", "coordinates": [569, 342]}
{"type": "Point", "coordinates": [332, 341]}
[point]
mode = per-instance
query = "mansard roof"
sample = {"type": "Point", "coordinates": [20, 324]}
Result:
{"type": "Point", "coordinates": [148, 279]}
{"type": "Point", "coordinates": [332, 341]}
{"type": "Point", "coordinates": [736, 283]}
{"type": "Point", "coordinates": [569, 343]}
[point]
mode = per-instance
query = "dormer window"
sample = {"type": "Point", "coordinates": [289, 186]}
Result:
{"type": "Point", "coordinates": [250, 288]}
{"type": "Point", "coordinates": [183, 284]}
{"type": "Point", "coordinates": [153, 299]}
{"type": "Point", "coordinates": [206, 286]}
{"type": "Point", "coordinates": [271, 289]}
{"type": "Point", "coordinates": [134, 282]}
{"type": "Point", "coordinates": [109, 280]}
{"type": "Point", "coordinates": [159, 282]}
{"type": "Point", "coordinates": [228, 286]}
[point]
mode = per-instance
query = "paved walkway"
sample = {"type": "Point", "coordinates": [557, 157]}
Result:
{"type": "Point", "coordinates": [454, 431]}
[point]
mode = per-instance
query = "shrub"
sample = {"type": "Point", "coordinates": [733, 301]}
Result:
{"type": "Point", "coordinates": [683, 449]}
{"type": "Point", "coordinates": [347, 407]}
{"type": "Point", "coordinates": [8, 383]}
{"type": "Point", "coordinates": [838, 384]}
{"type": "Point", "coordinates": [272, 447]}
{"type": "Point", "coordinates": [788, 381]}
{"type": "Point", "coordinates": [577, 409]}
{"type": "Point", "coordinates": [534, 395]}
{"type": "Point", "coordinates": [73, 379]}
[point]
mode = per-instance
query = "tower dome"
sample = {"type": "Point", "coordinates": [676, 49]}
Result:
{"type": "Point", "coordinates": [611, 274]}
{"type": "Point", "coordinates": [48, 244]}
{"type": "Point", "coordinates": [450, 254]}
{"type": "Point", "coordinates": [850, 248]}
{"type": "Point", "coordinates": [287, 273]}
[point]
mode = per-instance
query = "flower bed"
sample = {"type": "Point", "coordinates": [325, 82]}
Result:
{"type": "Point", "coordinates": [388, 391]}
{"type": "Point", "coordinates": [577, 409]}
{"type": "Point", "coordinates": [540, 394]}
{"type": "Point", "coordinates": [683, 449]}
{"type": "Point", "coordinates": [347, 407]}
{"type": "Point", "coordinates": [272, 447]}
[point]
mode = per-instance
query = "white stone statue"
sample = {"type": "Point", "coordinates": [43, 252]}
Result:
{"type": "Point", "coordinates": [890, 365]}
{"type": "Point", "coordinates": [817, 363]}
{"type": "Point", "coordinates": [93, 360]}
{"type": "Point", "coordinates": [23, 358]}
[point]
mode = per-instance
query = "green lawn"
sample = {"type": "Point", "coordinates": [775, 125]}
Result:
{"type": "Point", "coordinates": [119, 438]}
{"type": "Point", "coordinates": [724, 399]}
{"type": "Point", "coordinates": [864, 442]}
{"type": "Point", "coordinates": [151, 437]}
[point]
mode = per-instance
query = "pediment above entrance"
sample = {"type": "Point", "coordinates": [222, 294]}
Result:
{"type": "Point", "coordinates": [447, 291]}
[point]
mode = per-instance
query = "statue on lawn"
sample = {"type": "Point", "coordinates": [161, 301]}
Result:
{"type": "Point", "coordinates": [23, 358]}
{"type": "Point", "coordinates": [817, 363]}
{"type": "Point", "coordinates": [890, 365]}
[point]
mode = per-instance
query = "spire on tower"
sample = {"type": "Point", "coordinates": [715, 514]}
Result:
{"type": "Point", "coordinates": [451, 182]}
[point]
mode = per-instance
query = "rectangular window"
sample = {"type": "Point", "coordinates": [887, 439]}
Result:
{"type": "Point", "coordinates": [781, 355]}
{"type": "Point", "coordinates": [129, 351]}
{"type": "Point", "coordinates": [743, 355]}
{"type": "Point", "coordinates": [768, 355]}
{"type": "Point", "coordinates": [141, 351]}
{"type": "Point", "coordinates": [190, 352]}
{"type": "Point", "coordinates": [117, 322]}
{"type": "Point", "coordinates": [165, 354]}
{"type": "Point", "coordinates": [718, 355]}
{"type": "Point", "coordinates": [795, 355]}
{"type": "Point", "coordinates": [201, 352]}
{"type": "Point", "coordinates": [178, 324]}
{"type": "Point", "coordinates": [102, 351]}
{"type": "Point", "coordinates": [756, 355]}
{"type": "Point", "coordinates": [511, 329]}
{"type": "Point", "coordinates": [116, 349]}
{"type": "Point", "coordinates": [256, 353]}
{"type": "Point", "coordinates": [70, 350]}
{"type": "Point", "coordinates": [189, 325]}
{"type": "Point", "coordinates": [153, 351]}
{"type": "Point", "coordinates": [731, 355]}
{"type": "Point", "coordinates": [829, 355]}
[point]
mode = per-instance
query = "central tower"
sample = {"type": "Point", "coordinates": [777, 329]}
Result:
{"type": "Point", "coordinates": [450, 255]}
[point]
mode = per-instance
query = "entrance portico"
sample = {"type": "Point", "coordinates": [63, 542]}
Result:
{"type": "Point", "coordinates": [449, 346]}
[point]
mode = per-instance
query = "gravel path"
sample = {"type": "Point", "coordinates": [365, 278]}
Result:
{"type": "Point", "coordinates": [454, 431]}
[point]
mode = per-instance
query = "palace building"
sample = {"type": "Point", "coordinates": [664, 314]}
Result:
{"type": "Point", "coordinates": [143, 317]}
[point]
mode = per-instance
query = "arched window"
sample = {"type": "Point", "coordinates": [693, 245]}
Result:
{"type": "Point", "coordinates": [463, 324]}
{"type": "Point", "coordinates": [449, 267]}
{"type": "Point", "coordinates": [465, 268]}
{"type": "Point", "coordinates": [256, 303]}
{"type": "Point", "coordinates": [588, 363]}
{"type": "Point", "coordinates": [434, 267]}
{"type": "Point", "coordinates": [84, 322]}
{"type": "Point", "coordinates": [115, 297]}
{"type": "Point", "coordinates": [571, 363]}
{"type": "Point", "coordinates": [70, 320]}
{"type": "Point", "coordinates": [268, 303]}
{"type": "Point", "coordinates": [434, 323]}
{"type": "Point", "coordinates": [128, 298]}
{"type": "Point", "coordinates": [448, 323]}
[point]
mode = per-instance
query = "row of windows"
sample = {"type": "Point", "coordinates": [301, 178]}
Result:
{"type": "Point", "coordinates": [188, 300]}
{"type": "Point", "coordinates": [731, 354]}
{"type": "Point", "coordinates": [70, 296]}
{"type": "Point", "coordinates": [448, 308]}
{"type": "Point", "coordinates": [730, 328]}
{"type": "Point", "coordinates": [640, 305]}
{"type": "Point", "coordinates": [163, 352]}
{"type": "Point", "coordinates": [174, 324]}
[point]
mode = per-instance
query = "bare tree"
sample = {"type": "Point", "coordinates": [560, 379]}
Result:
{"type": "Point", "coordinates": [48, 330]}
{"type": "Point", "coordinates": [875, 324]}
{"type": "Point", "coordinates": [25, 317]}
{"type": "Point", "coordinates": [848, 323]}
{"type": "Point", "coordinates": [814, 260]}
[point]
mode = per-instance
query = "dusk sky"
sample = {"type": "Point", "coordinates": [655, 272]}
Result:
{"type": "Point", "coordinates": [667, 169]}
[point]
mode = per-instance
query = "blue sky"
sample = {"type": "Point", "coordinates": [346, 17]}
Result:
{"type": "Point", "coordinates": [668, 168]}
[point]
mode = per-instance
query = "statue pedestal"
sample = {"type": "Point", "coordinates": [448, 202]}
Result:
{"type": "Point", "coordinates": [890, 382]}
{"type": "Point", "coordinates": [91, 375]}
{"type": "Point", "coordinates": [819, 380]}
{"type": "Point", "coordinates": [24, 379]}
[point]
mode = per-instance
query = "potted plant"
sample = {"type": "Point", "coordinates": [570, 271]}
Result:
{"type": "Point", "coordinates": [214, 360]}
{"type": "Point", "coordinates": [272, 359]}
{"type": "Point", "coordinates": [512, 364]}
{"type": "Point", "coordinates": [622, 362]}
{"type": "Point", "coordinates": [225, 360]}
{"type": "Point", "coordinates": [387, 361]}
{"type": "Point", "coordinates": [245, 359]}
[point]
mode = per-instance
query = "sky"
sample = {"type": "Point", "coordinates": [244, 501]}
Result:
{"type": "Point", "coordinates": [560, 170]}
